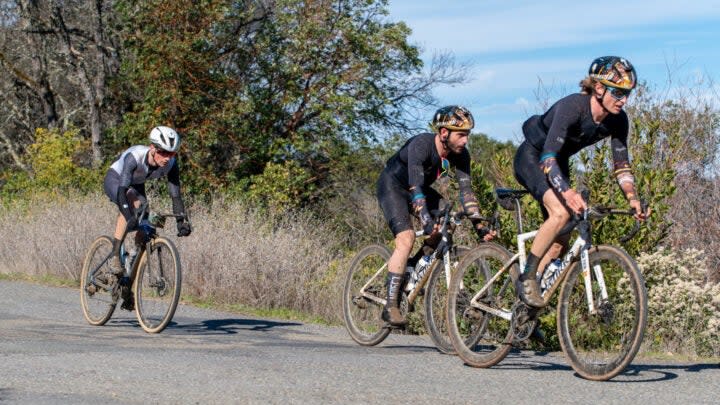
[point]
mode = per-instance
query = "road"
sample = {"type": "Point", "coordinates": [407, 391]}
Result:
{"type": "Point", "coordinates": [49, 354]}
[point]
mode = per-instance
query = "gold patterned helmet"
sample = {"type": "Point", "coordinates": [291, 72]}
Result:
{"type": "Point", "coordinates": [613, 71]}
{"type": "Point", "coordinates": [454, 118]}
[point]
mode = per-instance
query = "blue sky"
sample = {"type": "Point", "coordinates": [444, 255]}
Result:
{"type": "Point", "coordinates": [524, 53]}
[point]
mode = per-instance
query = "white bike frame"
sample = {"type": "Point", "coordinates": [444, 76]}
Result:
{"type": "Point", "coordinates": [578, 248]}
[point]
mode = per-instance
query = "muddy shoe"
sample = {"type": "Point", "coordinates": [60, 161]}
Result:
{"type": "Point", "coordinates": [393, 316]}
{"type": "Point", "coordinates": [128, 299]}
{"type": "Point", "coordinates": [529, 292]}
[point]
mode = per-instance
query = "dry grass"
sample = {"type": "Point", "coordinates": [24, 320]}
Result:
{"type": "Point", "coordinates": [235, 255]}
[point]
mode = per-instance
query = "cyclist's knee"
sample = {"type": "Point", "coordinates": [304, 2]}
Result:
{"type": "Point", "coordinates": [558, 216]}
{"type": "Point", "coordinates": [404, 240]}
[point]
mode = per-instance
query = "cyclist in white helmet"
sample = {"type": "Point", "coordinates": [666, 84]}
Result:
{"type": "Point", "coordinates": [124, 184]}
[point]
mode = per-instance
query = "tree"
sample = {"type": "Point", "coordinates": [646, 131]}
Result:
{"type": "Point", "coordinates": [58, 56]}
{"type": "Point", "coordinates": [252, 83]}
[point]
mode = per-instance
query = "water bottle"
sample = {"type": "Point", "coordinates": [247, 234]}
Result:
{"type": "Point", "coordinates": [551, 273]}
{"type": "Point", "coordinates": [414, 275]}
{"type": "Point", "coordinates": [130, 259]}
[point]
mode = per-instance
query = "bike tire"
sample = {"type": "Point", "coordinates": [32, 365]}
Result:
{"type": "Point", "coordinates": [480, 338]}
{"type": "Point", "coordinates": [97, 301]}
{"type": "Point", "coordinates": [362, 316]}
{"type": "Point", "coordinates": [435, 301]}
{"type": "Point", "coordinates": [157, 285]}
{"type": "Point", "coordinates": [602, 345]}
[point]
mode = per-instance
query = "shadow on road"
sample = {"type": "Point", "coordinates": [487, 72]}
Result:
{"type": "Point", "coordinates": [230, 325]}
{"type": "Point", "coordinates": [635, 372]}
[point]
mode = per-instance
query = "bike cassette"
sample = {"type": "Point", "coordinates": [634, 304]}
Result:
{"type": "Point", "coordinates": [524, 320]}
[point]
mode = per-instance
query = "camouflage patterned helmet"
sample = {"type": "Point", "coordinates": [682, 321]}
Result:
{"type": "Point", "coordinates": [454, 118]}
{"type": "Point", "coordinates": [613, 71]}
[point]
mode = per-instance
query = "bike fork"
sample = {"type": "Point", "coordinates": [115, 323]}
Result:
{"type": "Point", "coordinates": [587, 278]}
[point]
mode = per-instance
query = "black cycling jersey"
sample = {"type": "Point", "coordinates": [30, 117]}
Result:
{"type": "Point", "coordinates": [565, 129]}
{"type": "Point", "coordinates": [418, 164]}
{"type": "Point", "coordinates": [409, 173]}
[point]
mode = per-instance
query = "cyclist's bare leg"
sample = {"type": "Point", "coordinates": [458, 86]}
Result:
{"type": "Point", "coordinates": [120, 225]}
{"type": "Point", "coordinates": [396, 266]}
{"type": "Point", "coordinates": [556, 250]}
{"type": "Point", "coordinates": [558, 216]}
{"type": "Point", "coordinates": [403, 245]}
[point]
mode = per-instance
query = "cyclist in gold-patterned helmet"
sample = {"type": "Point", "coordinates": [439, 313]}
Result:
{"type": "Point", "coordinates": [404, 188]}
{"type": "Point", "coordinates": [542, 165]}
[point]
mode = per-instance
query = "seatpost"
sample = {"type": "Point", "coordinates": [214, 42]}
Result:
{"type": "Point", "coordinates": [518, 217]}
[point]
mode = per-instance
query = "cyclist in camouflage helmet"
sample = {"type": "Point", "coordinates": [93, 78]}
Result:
{"type": "Point", "coordinates": [542, 161]}
{"type": "Point", "coordinates": [404, 188]}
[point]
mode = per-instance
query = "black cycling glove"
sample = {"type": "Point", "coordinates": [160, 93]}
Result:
{"type": "Point", "coordinates": [422, 212]}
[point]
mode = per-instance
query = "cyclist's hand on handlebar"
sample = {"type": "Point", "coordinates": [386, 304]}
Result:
{"type": "Point", "coordinates": [640, 215]}
{"type": "Point", "coordinates": [574, 201]}
{"type": "Point", "coordinates": [423, 214]}
{"type": "Point", "coordinates": [427, 222]}
{"type": "Point", "coordinates": [183, 229]}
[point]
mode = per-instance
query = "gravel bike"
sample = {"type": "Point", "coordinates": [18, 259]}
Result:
{"type": "Point", "coordinates": [365, 288]}
{"type": "Point", "coordinates": [152, 272]}
{"type": "Point", "coordinates": [601, 310]}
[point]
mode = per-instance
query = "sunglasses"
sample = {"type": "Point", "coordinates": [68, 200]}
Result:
{"type": "Point", "coordinates": [164, 153]}
{"type": "Point", "coordinates": [618, 94]}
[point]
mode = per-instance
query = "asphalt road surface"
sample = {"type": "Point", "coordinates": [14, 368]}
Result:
{"type": "Point", "coordinates": [49, 354]}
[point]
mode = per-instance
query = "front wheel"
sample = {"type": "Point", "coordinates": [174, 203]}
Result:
{"type": "Point", "coordinates": [157, 285]}
{"type": "Point", "coordinates": [481, 336]}
{"type": "Point", "coordinates": [98, 285]}
{"type": "Point", "coordinates": [601, 344]}
{"type": "Point", "coordinates": [436, 299]}
{"type": "Point", "coordinates": [364, 289]}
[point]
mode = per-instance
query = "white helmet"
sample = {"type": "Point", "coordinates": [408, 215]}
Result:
{"type": "Point", "coordinates": [165, 138]}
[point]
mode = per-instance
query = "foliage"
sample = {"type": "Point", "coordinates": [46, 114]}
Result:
{"type": "Point", "coordinates": [257, 83]}
{"type": "Point", "coordinates": [660, 150]}
{"type": "Point", "coordinates": [683, 309]}
{"type": "Point", "coordinates": [56, 165]}
{"type": "Point", "coordinates": [281, 187]}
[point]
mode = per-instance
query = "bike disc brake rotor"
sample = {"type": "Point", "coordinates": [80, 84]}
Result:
{"type": "Point", "coordinates": [606, 312]}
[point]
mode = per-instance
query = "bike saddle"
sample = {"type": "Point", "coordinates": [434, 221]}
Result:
{"type": "Point", "coordinates": [506, 196]}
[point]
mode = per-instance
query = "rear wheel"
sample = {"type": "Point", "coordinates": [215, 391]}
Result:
{"type": "Point", "coordinates": [600, 345]}
{"type": "Point", "coordinates": [97, 283]}
{"type": "Point", "coordinates": [361, 310]}
{"type": "Point", "coordinates": [157, 285]}
{"type": "Point", "coordinates": [481, 338]}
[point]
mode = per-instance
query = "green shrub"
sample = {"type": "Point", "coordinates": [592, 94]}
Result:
{"type": "Point", "coordinates": [57, 162]}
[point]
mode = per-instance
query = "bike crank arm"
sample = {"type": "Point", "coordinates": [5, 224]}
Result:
{"type": "Point", "coordinates": [507, 315]}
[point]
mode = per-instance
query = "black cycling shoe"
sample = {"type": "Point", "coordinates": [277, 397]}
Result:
{"type": "Point", "coordinates": [128, 299]}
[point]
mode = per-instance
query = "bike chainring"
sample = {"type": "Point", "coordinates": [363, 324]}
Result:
{"type": "Point", "coordinates": [524, 320]}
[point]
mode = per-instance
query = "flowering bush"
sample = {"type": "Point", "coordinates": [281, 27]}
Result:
{"type": "Point", "coordinates": [683, 307]}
